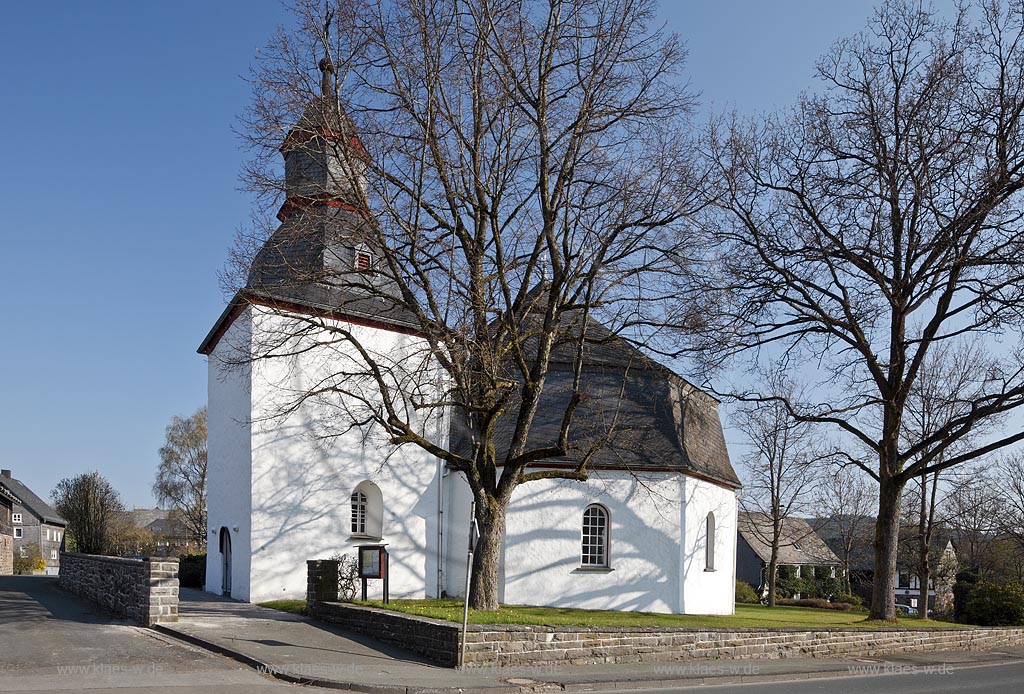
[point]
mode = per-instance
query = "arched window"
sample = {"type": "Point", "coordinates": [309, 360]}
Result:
{"type": "Point", "coordinates": [595, 536]}
{"type": "Point", "coordinates": [358, 512]}
{"type": "Point", "coordinates": [367, 511]}
{"type": "Point", "coordinates": [709, 550]}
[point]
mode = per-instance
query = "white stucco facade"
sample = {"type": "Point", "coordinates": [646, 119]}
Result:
{"type": "Point", "coordinates": [283, 490]}
{"type": "Point", "coordinates": [283, 494]}
{"type": "Point", "coordinates": [656, 543]}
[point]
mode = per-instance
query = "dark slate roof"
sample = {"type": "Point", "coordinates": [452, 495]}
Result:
{"type": "Point", "coordinates": [862, 556]}
{"type": "Point", "coordinates": [831, 530]}
{"type": "Point", "coordinates": [799, 543]}
{"type": "Point", "coordinates": [142, 517]}
{"type": "Point", "coordinates": [32, 503]}
{"type": "Point", "coordinates": [158, 520]}
{"type": "Point", "coordinates": [7, 496]}
{"type": "Point", "coordinates": [656, 419]}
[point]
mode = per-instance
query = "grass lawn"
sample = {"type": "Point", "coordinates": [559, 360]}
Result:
{"type": "Point", "coordinates": [293, 606]}
{"type": "Point", "coordinates": [746, 616]}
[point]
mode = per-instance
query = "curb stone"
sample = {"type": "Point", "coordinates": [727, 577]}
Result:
{"type": "Point", "coordinates": [535, 686]}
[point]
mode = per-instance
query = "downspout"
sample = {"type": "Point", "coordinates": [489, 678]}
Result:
{"type": "Point", "coordinates": [442, 474]}
{"type": "Point", "coordinates": [682, 545]}
{"type": "Point", "coordinates": [735, 547]}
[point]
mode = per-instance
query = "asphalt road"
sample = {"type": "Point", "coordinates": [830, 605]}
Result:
{"type": "Point", "coordinates": [989, 679]}
{"type": "Point", "coordinates": [51, 642]}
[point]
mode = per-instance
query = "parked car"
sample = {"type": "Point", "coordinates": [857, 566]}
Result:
{"type": "Point", "coordinates": [907, 610]}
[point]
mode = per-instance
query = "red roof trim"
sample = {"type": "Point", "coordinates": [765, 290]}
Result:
{"type": "Point", "coordinates": [297, 203]}
{"type": "Point", "coordinates": [242, 299]}
{"type": "Point", "coordinates": [297, 137]}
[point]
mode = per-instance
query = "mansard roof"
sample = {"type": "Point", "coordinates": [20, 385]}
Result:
{"type": "Point", "coordinates": [653, 419]}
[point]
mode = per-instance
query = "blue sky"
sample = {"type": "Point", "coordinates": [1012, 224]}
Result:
{"type": "Point", "coordinates": [120, 200]}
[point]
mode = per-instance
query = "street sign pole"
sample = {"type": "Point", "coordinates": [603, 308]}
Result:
{"type": "Point", "coordinates": [473, 534]}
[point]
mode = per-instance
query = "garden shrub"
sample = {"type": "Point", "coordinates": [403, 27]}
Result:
{"type": "Point", "coordinates": [819, 603]}
{"type": "Point", "coordinates": [994, 605]}
{"type": "Point", "coordinates": [28, 563]}
{"type": "Point", "coordinates": [348, 576]}
{"type": "Point", "coordinates": [965, 582]}
{"type": "Point", "coordinates": [746, 594]}
{"type": "Point", "coordinates": [848, 599]}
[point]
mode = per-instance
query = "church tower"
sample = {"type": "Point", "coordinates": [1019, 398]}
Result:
{"type": "Point", "coordinates": [280, 490]}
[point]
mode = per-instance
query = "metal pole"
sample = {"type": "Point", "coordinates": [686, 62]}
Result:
{"type": "Point", "coordinates": [469, 574]}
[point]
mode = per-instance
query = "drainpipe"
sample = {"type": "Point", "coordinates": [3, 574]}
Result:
{"type": "Point", "coordinates": [682, 544]}
{"type": "Point", "coordinates": [442, 474]}
{"type": "Point", "coordinates": [735, 548]}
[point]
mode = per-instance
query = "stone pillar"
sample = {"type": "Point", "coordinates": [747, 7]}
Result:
{"type": "Point", "coordinates": [6, 553]}
{"type": "Point", "coordinates": [321, 580]}
{"type": "Point", "coordinates": [162, 581]}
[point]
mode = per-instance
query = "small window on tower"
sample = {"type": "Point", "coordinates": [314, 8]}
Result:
{"type": "Point", "coordinates": [363, 261]}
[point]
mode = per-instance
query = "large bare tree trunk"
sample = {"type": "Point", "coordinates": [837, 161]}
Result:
{"type": "Point", "coordinates": [887, 534]}
{"type": "Point", "coordinates": [483, 593]}
{"type": "Point", "coordinates": [773, 571]}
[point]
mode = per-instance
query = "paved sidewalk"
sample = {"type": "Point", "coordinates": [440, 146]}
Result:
{"type": "Point", "coordinates": [298, 649]}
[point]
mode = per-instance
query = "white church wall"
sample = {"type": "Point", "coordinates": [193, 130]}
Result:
{"type": "Point", "coordinates": [229, 447]}
{"type": "Point", "coordinates": [708, 591]}
{"type": "Point", "coordinates": [541, 560]}
{"type": "Point", "coordinates": [542, 563]}
{"type": "Point", "coordinates": [302, 483]}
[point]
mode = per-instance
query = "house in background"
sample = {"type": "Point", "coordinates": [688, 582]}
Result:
{"type": "Point", "coordinates": [861, 560]}
{"type": "Point", "coordinates": [944, 565]}
{"type": "Point", "coordinates": [169, 534]}
{"type": "Point", "coordinates": [7, 501]}
{"type": "Point", "coordinates": [34, 522]}
{"type": "Point", "coordinates": [801, 551]}
{"type": "Point", "coordinates": [850, 537]}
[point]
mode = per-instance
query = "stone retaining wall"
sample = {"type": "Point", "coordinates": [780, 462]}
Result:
{"type": "Point", "coordinates": [493, 645]}
{"type": "Point", "coordinates": [432, 638]}
{"type": "Point", "coordinates": [502, 645]}
{"type": "Point", "coordinates": [143, 590]}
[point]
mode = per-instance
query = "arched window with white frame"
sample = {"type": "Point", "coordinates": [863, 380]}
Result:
{"type": "Point", "coordinates": [595, 546]}
{"type": "Point", "coordinates": [367, 519]}
{"type": "Point", "coordinates": [358, 512]}
{"type": "Point", "coordinates": [709, 549]}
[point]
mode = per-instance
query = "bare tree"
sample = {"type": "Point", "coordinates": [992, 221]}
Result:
{"type": "Point", "coordinates": [91, 507]}
{"type": "Point", "coordinates": [845, 504]}
{"type": "Point", "coordinates": [973, 509]}
{"type": "Point", "coordinates": [779, 469]}
{"type": "Point", "coordinates": [1010, 483]}
{"type": "Point", "coordinates": [874, 222]}
{"type": "Point", "coordinates": [517, 172]}
{"type": "Point", "coordinates": [935, 400]}
{"type": "Point", "coordinates": [181, 477]}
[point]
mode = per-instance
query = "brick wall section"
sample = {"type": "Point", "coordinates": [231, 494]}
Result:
{"type": "Point", "coordinates": [143, 590]}
{"type": "Point", "coordinates": [6, 554]}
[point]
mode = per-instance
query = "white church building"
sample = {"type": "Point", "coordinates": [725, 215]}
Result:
{"type": "Point", "coordinates": [653, 529]}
